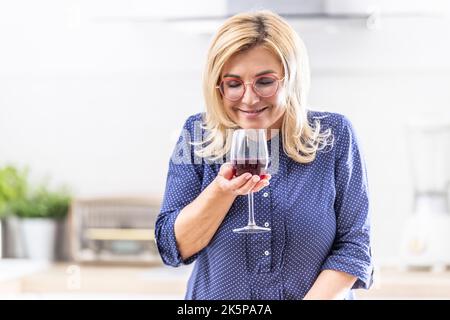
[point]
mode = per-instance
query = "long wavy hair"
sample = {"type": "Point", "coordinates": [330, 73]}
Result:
{"type": "Point", "coordinates": [301, 140]}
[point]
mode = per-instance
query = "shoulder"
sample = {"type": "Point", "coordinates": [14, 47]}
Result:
{"type": "Point", "coordinates": [339, 124]}
{"type": "Point", "coordinates": [198, 117]}
{"type": "Point", "coordinates": [342, 131]}
{"type": "Point", "coordinates": [194, 122]}
{"type": "Point", "coordinates": [332, 120]}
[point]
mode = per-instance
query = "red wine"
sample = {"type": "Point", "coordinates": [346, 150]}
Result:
{"type": "Point", "coordinates": [254, 166]}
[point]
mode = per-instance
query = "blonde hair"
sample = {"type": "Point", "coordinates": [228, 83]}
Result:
{"type": "Point", "coordinates": [243, 32]}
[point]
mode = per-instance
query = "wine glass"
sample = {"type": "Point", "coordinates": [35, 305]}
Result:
{"type": "Point", "coordinates": [249, 154]}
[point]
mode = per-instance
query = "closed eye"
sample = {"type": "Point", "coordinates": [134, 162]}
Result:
{"type": "Point", "coordinates": [233, 84]}
{"type": "Point", "coordinates": [265, 81]}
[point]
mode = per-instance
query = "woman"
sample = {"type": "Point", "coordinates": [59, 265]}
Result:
{"type": "Point", "coordinates": [316, 204]}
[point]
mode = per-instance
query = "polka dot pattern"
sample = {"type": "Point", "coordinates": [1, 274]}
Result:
{"type": "Point", "coordinates": [318, 213]}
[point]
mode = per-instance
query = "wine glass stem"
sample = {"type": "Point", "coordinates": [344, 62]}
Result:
{"type": "Point", "coordinates": [251, 214]}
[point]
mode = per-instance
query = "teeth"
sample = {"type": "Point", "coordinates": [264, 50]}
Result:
{"type": "Point", "coordinates": [253, 111]}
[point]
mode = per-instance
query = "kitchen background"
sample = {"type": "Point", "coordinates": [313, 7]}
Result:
{"type": "Point", "coordinates": [93, 95]}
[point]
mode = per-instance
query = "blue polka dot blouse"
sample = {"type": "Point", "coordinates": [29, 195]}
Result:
{"type": "Point", "coordinates": [318, 213]}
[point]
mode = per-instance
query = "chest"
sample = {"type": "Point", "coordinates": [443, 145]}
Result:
{"type": "Point", "coordinates": [299, 200]}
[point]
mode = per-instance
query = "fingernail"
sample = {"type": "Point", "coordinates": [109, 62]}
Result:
{"type": "Point", "coordinates": [256, 179]}
{"type": "Point", "coordinates": [248, 175]}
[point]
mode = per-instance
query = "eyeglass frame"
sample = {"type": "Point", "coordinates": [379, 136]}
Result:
{"type": "Point", "coordinates": [253, 86]}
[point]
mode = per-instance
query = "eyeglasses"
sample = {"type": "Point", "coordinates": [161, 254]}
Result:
{"type": "Point", "coordinates": [233, 89]}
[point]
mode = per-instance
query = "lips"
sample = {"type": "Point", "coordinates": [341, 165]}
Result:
{"type": "Point", "coordinates": [256, 111]}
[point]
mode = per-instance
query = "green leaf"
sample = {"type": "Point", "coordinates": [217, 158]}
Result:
{"type": "Point", "coordinates": [13, 185]}
{"type": "Point", "coordinates": [17, 197]}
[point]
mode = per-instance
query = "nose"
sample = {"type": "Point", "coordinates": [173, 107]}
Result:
{"type": "Point", "coordinates": [249, 97]}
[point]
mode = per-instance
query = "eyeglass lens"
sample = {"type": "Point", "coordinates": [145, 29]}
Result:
{"type": "Point", "coordinates": [234, 89]}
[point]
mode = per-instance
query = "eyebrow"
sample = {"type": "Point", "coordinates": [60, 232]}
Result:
{"type": "Point", "coordinates": [256, 75]}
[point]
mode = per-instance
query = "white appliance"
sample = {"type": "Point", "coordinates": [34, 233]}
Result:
{"type": "Point", "coordinates": [426, 235]}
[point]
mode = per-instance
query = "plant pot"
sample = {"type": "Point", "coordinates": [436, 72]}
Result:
{"type": "Point", "coordinates": [12, 244]}
{"type": "Point", "coordinates": [39, 235]}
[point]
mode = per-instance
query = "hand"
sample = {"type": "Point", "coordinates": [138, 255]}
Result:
{"type": "Point", "coordinates": [241, 185]}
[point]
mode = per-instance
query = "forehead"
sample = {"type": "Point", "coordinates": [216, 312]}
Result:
{"type": "Point", "coordinates": [252, 61]}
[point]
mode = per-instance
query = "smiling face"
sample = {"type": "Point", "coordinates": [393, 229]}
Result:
{"type": "Point", "coordinates": [253, 110]}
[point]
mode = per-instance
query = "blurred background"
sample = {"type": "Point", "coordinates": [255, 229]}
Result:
{"type": "Point", "coordinates": [93, 95]}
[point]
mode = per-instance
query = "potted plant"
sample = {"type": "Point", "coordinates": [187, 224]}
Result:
{"type": "Point", "coordinates": [39, 213]}
{"type": "Point", "coordinates": [13, 186]}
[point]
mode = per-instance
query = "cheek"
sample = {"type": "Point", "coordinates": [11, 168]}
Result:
{"type": "Point", "coordinates": [280, 98]}
{"type": "Point", "coordinates": [228, 106]}
{"type": "Point", "coordinates": [278, 103]}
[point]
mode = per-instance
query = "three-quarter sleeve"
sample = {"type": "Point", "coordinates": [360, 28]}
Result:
{"type": "Point", "coordinates": [183, 185]}
{"type": "Point", "coordinates": [351, 251]}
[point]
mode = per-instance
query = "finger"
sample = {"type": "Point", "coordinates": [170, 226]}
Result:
{"type": "Point", "coordinates": [227, 171]}
{"type": "Point", "coordinates": [249, 185]}
{"type": "Point", "coordinates": [260, 185]}
{"type": "Point", "coordinates": [240, 181]}
{"type": "Point", "coordinates": [265, 176]}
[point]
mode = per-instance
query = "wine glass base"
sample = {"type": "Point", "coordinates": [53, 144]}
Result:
{"type": "Point", "coordinates": [251, 229]}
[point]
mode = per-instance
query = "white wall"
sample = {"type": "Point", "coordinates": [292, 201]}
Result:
{"type": "Point", "coordinates": [97, 102]}
{"type": "Point", "coordinates": [92, 101]}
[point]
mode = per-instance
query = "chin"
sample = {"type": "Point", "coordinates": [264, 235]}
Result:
{"type": "Point", "coordinates": [261, 124]}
